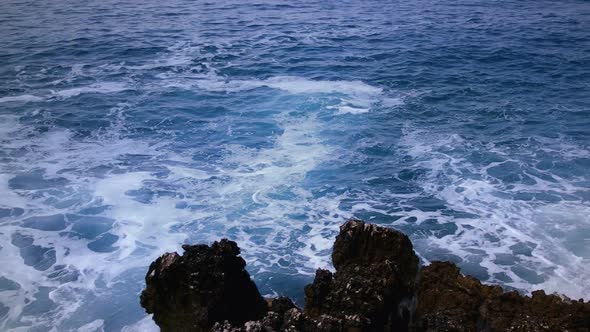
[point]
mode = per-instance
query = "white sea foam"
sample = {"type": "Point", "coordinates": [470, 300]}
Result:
{"type": "Point", "coordinates": [249, 188]}
{"type": "Point", "coordinates": [553, 229]}
{"type": "Point", "coordinates": [94, 326]}
{"type": "Point", "coordinates": [300, 85]}
{"type": "Point", "coordinates": [355, 97]}
{"type": "Point", "coordinates": [291, 84]}
{"type": "Point", "coordinates": [144, 325]}
{"type": "Point", "coordinates": [21, 98]}
{"type": "Point", "coordinates": [103, 87]}
{"type": "Point", "coordinates": [53, 152]}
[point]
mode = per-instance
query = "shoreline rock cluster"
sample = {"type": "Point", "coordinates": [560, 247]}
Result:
{"type": "Point", "coordinates": [377, 286]}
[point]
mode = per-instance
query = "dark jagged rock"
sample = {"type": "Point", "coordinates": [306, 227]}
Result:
{"type": "Point", "coordinates": [375, 272]}
{"type": "Point", "coordinates": [362, 243]}
{"type": "Point", "coordinates": [449, 301]}
{"type": "Point", "coordinates": [444, 303]}
{"type": "Point", "coordinates": [280, 305]}
{"type": "Point", "coordinates": [376, 287]}
{"type": "Point", "coordinates": [205, 285]}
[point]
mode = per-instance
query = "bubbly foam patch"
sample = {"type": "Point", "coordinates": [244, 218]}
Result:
{"type": "Point", "coordinates": [146, 324]}
{"type": "Point", "coordinates": [359, 96]}
{"type": "Point", "coordinates": [21, 98]}
{"type": "Point", "coordinates": [519, 232]}
{"type": "Point", "coordinates": [104, 87]}
{"type": "Point", "coordinates": [354, 97]}
{"type": "Point", "coordinates": [58, 177]}
{"type": "Point", "coordinates": [101, 88]}
{"type": "Point", "coordinates": [300, 85]}
{"type": "Point", "coordinates": [91, 213]}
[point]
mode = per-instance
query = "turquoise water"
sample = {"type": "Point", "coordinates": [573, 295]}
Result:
{"type": "Point", "coordinates": [128, 129]}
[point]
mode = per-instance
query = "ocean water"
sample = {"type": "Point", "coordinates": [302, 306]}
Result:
{"type": "Point", "coordinates": [128, 128]}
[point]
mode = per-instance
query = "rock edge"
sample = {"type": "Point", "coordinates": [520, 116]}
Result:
{"type": "Point", "coordinates": [377, 286]}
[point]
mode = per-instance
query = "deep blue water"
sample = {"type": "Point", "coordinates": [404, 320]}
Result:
{"type": "Point", "coordinates": [128, 129]}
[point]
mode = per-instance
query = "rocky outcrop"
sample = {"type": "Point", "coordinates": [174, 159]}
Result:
{"type": "Point", "coordinates": [449, 301]}
{"type": "Point", "coordinates": [376, 287]}
{"type": "Point", "coordinates": [375, 273]}
{"type": "Point", "coordinates": [203, 286]}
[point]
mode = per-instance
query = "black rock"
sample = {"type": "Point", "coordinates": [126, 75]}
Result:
{"type": "Point", "coordinates": [204, 286]}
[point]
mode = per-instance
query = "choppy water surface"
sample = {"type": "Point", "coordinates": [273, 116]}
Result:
{"type": "Point", "coordinates": [128, 129]}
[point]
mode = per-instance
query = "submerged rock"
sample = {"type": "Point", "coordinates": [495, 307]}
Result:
{"type": "Point", "coordinates": [376, 287]}
{"type": "Point", "coordinates": [203, 286]}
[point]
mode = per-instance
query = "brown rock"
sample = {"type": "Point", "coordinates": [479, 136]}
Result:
{"type": "Point", "coordinates": [449, 301]}
{"type": "Point", "coordinates": [376, 287]}
{"type": "Point", "coordinates": [375, 273]}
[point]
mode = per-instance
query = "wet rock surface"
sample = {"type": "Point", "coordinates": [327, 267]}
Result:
{"type": "Point", "coordinates": [376, 287]}
{"type": "Point", "coordinates": [207, 284]}
{"type": "Point", "coordinates": [449, 301]}
{"type": "Point", "coordinates": [375, 273]}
